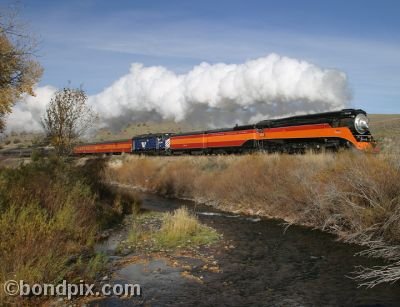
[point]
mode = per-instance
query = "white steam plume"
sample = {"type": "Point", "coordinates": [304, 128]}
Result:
{"type": "Point", "coordinates": [27, 114]}
{"type": "Point", "coordinates": [222, 94]}
{"type": "Point", "coordinates": [215, 95]}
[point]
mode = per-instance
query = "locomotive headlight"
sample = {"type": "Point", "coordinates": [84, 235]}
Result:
{"type": "Point", "coordinates": [361, 123]}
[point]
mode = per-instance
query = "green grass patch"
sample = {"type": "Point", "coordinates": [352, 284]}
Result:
{"type": "Point", "coordinates": [182, 228]}
{"type": "Point", "coordinates": [159, 231]}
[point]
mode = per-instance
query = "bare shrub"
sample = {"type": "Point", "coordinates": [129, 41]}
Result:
{"type": "Point", "coordinates": [67, 118]}
{"type": "Point", "coordinates": [371, 277]}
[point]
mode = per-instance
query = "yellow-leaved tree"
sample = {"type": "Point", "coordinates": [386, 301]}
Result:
{"type": "Point", "coordinates": [19, 69]}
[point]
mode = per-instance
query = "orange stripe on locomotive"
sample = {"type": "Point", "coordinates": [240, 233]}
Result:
{"type": "Point", "coordinates": [237, 138]}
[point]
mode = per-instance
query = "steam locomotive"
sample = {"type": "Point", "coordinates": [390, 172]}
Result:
{"type": "Point", "coordinates": [347, 128]}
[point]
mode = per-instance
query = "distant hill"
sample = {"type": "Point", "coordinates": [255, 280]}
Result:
{"type": "Point", "coordinates": [386, 128]}
{"type": "Point", "coordinates": [20, 140]}
{"type": "Point", "coordinates": [144, 128]}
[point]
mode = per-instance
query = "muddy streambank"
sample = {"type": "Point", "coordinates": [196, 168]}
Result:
{"type": "Point", "coordinates": [260, 264]}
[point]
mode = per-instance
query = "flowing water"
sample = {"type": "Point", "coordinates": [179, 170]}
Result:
{"type": "Point", "coordinates": [264, 266]}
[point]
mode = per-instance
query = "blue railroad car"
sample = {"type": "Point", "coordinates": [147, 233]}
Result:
{"type": "Point", "coordinates": [150, 143]}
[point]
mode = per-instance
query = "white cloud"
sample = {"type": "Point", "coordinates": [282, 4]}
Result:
{"type": "Point", "coordinates": [26, 114]}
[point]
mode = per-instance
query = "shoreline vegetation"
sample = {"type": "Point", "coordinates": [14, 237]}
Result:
{"type": "Point", "coordinates": [54, 210]}
{"type": "Point", "coordinates": [354, 196]}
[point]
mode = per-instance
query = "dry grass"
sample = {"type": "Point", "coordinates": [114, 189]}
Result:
{"type": "Point", "coordinates": [354, 195]}
{"type": "Point", "coordinates": [347, 192]}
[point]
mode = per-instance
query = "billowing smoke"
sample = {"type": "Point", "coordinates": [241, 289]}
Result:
{"type": "Point", "coordinates": [27, 114]}
{"type": "Point", "coordinates": [220, 94]}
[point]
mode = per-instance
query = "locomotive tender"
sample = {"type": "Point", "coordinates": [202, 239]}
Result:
{"type": "Point", "coordinates": [331, 130]}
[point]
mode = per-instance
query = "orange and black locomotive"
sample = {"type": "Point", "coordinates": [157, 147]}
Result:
{"type": "Point", "coordinates": [347, 128]}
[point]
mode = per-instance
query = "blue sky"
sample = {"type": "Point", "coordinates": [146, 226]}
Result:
{"type": "Point", "coordinates": [93, 42]}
